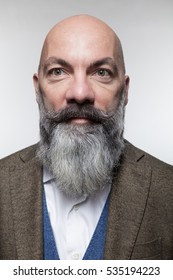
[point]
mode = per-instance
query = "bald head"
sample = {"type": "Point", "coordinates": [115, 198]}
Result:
{"type": "Point", "coordinates": [79, 30]}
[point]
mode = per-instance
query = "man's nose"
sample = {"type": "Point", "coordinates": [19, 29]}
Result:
{"type": "Point", "coordinates": [80, 91]}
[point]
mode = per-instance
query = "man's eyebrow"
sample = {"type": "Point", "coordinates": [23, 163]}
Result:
{"type": "Point", "coordinates": [54, 60]}
{"type": "Point", "coordinates": [106, 60]}
{"type": "Point", "coordinates": [95, 64]}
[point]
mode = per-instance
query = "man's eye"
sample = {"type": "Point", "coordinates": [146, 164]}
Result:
{"type": "Point", "coordinates": [103, 73]}
{"type": "Point", "coordinates": [56, 71]}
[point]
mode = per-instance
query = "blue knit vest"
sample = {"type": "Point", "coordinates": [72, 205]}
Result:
{"type": "Point", "coordinates": [95, 250]}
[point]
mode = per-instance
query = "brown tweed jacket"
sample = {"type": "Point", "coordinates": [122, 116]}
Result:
{"type": "Point", "coordinates": [140, 222]}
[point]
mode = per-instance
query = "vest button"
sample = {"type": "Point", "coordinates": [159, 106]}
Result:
{"type": "Point", "coordinates": [76, 256]}
{"type": "Point", "coordinates": [76, 207]}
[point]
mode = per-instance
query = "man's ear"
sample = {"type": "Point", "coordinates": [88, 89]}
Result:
{"type": "Point", "coordinates": [127, 83]}
{"type": "Point", "coordinates": [35, 81]}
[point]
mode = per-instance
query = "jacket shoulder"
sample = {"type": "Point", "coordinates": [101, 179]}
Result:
{"type": "Point", "coordinates": [19, 157]}
{"type": "Point", "coordinates": [140, 157]}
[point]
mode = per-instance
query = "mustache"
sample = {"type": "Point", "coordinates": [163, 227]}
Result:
{"type": "Point", "coordinates": [79, 111]}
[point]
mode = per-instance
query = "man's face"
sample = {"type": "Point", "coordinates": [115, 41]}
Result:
{"type": "Point", "coordinates": [81, 90]}
{"type": "Point", "coordinates": [83, 67]}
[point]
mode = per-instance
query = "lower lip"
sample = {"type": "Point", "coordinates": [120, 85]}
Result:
{"type": "Point", "coordinates": [79, 121]}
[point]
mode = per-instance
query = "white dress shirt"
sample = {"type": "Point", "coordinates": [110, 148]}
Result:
{"type": "Point", "coordinates": [73, 221]}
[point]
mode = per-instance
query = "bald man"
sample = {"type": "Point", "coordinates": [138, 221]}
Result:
{"type": "Point", "coordinates": [83, 192]}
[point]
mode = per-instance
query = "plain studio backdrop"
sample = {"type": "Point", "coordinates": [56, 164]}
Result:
{"type": "Point", "coordinates": [145, 28]}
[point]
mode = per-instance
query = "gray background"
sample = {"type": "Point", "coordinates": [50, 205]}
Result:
{"type": "Point", "coordinates": [146, 31]}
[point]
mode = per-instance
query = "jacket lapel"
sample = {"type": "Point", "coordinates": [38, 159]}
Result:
{"type": "Point", "coordinates": [127, 205]}
{"type": "Point", "coordinates": [26, 195]}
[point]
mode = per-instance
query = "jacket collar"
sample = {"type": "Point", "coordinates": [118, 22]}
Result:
{"type": "Point", "coordinates": [26, 195]}
{"type": "Point", "coordinates": [128, 199]}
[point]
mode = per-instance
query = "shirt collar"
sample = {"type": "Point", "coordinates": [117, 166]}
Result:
{"type": "Point", "coordinates": [47, 175]}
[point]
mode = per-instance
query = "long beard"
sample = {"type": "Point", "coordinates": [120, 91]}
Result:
{"type": "Point", "coordinates": [81, 157]}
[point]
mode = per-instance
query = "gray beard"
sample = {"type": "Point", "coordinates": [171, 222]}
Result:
{"type": "Point", "coordinates": [81, 158]}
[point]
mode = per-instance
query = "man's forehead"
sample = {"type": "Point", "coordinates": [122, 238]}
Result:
{"type": "Point", "coordinates": [52, 61]}
{"type": "Point", "coordinates": [80, 37]}
{"type": "Point", "coordinates": [80, 30]}
{"type": "Point", "coordinates": [75, 36]}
